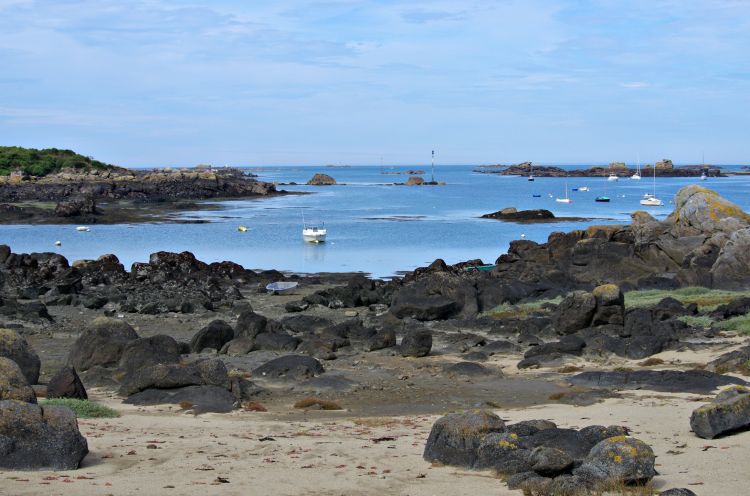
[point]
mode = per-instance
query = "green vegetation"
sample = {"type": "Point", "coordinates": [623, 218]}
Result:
{"type": "Point", "coordinates": [699, 321]}
{"type": "Point", "coordinates": [706, 299]}
{"type": "Point", "coordinates": [42, 162]}
{"type": "Point", "coordinates": [83, 408]}
{"type": "Point", "coordinates": [521, 310]}
{"type": "Point", "coordinates": [739, 324]}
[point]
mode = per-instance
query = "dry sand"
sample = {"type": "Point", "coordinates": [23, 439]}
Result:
{"type": "Point", "coordinates": [163, 451]}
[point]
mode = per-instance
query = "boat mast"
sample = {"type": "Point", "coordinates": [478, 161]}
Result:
{"type": "Point", "coordinates": [433, 166]}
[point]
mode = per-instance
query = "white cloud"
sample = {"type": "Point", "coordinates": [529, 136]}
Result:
{"type": "Point", "coordinates": [635, 85]}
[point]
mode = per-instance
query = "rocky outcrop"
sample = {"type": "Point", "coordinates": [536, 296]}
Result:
{"type": "Point", "coordinates": [414, 181]}
{"type": "Point", "coordinates": [101, 344]}
{"type": "Point", "coordinates": [321, 180]}
{"type": "Point", "coordinates": [511, 214]}
{"type": "Point", "coordinates": [13, 384]}
{"type": "Point", "coordinates": [76, 207]}
{"type": "Point", "coordinates": [691, 381]}
{"type": "Point", "coordinates": [664, 168]}
{"type": "Point", "coordinates": [34, 437]}
{"type": "Point", "coordinates": [455, 438]}
{"type": "Point", "coordinates": [728, 411]}
{"type": "Point", "coordinates": [66, 384]}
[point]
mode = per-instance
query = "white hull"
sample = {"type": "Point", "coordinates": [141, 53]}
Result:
{"type": "Point", "coordinates": [564, 200]}
{"type": "Point", "coordinates": [281, 287]}
{"type": "Point", "coordinates": [635, 177]}
{"type": "Point", "coordinates": [613, 178]}
{"type": "Point", "coordinates": [314, 235]}
{"type": "Point", "coordinates": [652, 202]}
{"type": "Point", "coordinates": [585, 188]}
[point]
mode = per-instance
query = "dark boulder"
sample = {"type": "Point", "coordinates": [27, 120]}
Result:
{"type": "Point", "coordinates": [33, 437]}
{"type": "Point", "coordinates": [101, 343]}
{"type": "Point", "coordinates": [290, 367]}
{"type": "Point", "coordinates": [76, 207]}
{"type": "Point", "coordinates": [729, 411]}
{"type": "Point", "coordinates": [503, 452]}
{"type": "Point", "coordinates": [174, 375]}
{"type": "Point", "coordinates": [66, 384]}
{"type": "Point", "coordinates": [575, 312]}
{"type": "Point", "coordinates": [249, 325]}
{"type": "Point", "coordinates": [549, 461]}
{"type": "Point", "coordinates": [469, 369]}
{"type": "Point", "coordinates": [679, 491]}
{"type": "Point", "coordinates": [15, 347]}
{"type": "Point", "coordinates": [384, 338]}
{"type": "Point", "coordinates": [238, 346]}
{"type": "Point", "coordinates": [619, 459]}
{"type": "Point", "coordinates": [145, 352]}
{"type": "Point", "coordinates": [199, 399]}
{"type": "Point", "coordinates": [416, 343]}
{"type": "Point", "coordinates": [215, 335]}
{"type": "Point", "coordinates": [13, 384]}
{"type": "Point", "coordinates": [455, 438]}
{"type": "Point", "coordinates": [276, 341]}
{"type": "Point", "coordinates": [511, 214]}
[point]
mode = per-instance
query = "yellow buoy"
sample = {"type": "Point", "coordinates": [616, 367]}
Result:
{"type": "Point", "coordinates": [242, 229]}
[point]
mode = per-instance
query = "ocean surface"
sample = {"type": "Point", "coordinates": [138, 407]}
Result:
{"type": "Point", "coordinates": [373, 226]}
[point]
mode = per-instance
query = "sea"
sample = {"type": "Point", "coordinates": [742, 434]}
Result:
{"type": "Point", "coordinates": [374, 226]}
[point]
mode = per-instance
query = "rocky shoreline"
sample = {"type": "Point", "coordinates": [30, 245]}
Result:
{"type": "Point", "coordinates": [663, 169]}
{"type": "Point", "coordinates": [551, 325]}
{"type": "Point", "coordinates": [117, 195]}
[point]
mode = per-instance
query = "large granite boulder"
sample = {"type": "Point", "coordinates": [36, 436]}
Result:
{"type": "Point", "coordinates": [699, 210]}
{"type": "Point", "coordinates": [33, 437]}
{"type": "Point", "coordinates": [145, 352]}
{"type": "Point", "coordinates": [66, 384]}
{"type": "Point", "coordinates": [416, 343]}
{"type": "Point", "coordinates": [575, 312]}
{"type": "Point", "coordinates": [249, 325]}
{"type": "Point", "coordinates": [13, 384]}
{"type": "Point", "coordinates": [215, 335]}
{"type": "Point", "coordinates": [455, 438]}
{"type": "Point", "coordinates": [101, 344]}
{"type": "Point", "coordinates": [728, 412]}
{"type": "Point", "coordinates": [174, 375]}
{"type": "Point", "coordinates": [732, 267]}
{"type": "Point", "coordinates": [619, 459]}
{"type": "Point", "coordinates": [15, 347]}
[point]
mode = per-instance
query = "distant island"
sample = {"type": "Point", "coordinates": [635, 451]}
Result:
{"type": "Point", "coordinates": [53, 186]}
{"type": "Point", "coordinates": [664, 168]}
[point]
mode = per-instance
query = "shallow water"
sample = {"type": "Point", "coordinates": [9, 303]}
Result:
{"type": "Point", "coordinates": [373, 227]}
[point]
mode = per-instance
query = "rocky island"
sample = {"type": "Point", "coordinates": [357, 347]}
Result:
{"type": "Point", "coordinates": [664, 168]}
{"type": "Point", "coordinates": [568, 368]}
{"type": "Point", "coordinates": [60, 186]}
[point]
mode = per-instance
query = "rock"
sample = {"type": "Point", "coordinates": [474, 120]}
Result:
{"type": "Point", "coordinates": [13, 383]}
{"type": "Point", "coordinates": [681, 491]}
{"type": "Point", "coordinates": [249, 325]}
{"type": "Point", "coordinates": [619, 459]}
{"type": "Point", "coordinates": [76, 207]}
{"type": "Point", "coordinates": [575, 312]}
{"type": "Point", "coordinates": [101, 343]}
{"type": "Point", "coordinates": [175, 375]}
{"type": "Point", "coordinates": [549, 461]}
{"type": "Point", "coordinates": [215, 335]}
{"type": "Point", "coordinates": [698, 210]}
{"type": "Point", "coordinates": [321, 180]}
{"type": "Point", "coordinates": [610, 305]}
{"type": "Point", "coordinates": [731, 361]}
{"type": "Point", "coordinates": [511, 214]}
{"type": "Point", "coordinates": [296, 306]}
{"type": "Point", "coordinates": [691, 381]}
{"type": "Point", "coordinates": [384, 338]}
{"type": "Point", "coordinates": [729, 411]}
{"type": "Point", "coordinates": [66, 384]}
{"type": "Point", "coordinates": [15, 347]}
{"type": "Point", "coordinates": [417, 343]}
{"type": "Point", "coordinates": [145, 352]}
{"type": "Point", "coordinates": [39, 438]}
{"type": "Point", "coordinates": [276, 341]}
{"type": "Point", "coordinates": [199, 399]}
{"type": "Point", "coordinates": [455, 438]}
{"type": "Point", "coordinates": [238, 346]}
{"type": "Point", "coordinates": [504, 453]}
{"type": "Point", "coordinates": [290, 367]}
{"type": "Point", "coordinates": [526, 481]}
{"type": "Point", "coordinates": [732, 267]}
{"type": "Point", "coordinates": [414, 181]}
{"type": "Point", "coordinates": [468, 369]}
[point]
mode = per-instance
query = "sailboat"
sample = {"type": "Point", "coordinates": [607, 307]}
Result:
{"type": "Point", "coordinates": [637, 175]}
{"type": "Point", "coordinates": [531, 170]}
{"type": "Point", "coordinates": [703, 164]}
{"type": "Point", "coordinates": [650, 200]}
{"type": "Point", "coordinates": [566, 199]}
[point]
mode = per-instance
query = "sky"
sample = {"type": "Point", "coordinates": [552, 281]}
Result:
{"type": "Point", "coordinates": [261, 82]}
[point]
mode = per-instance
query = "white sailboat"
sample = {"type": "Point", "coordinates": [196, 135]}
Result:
{"type": "Point", "coordinates": [613, 177]}
{"type": "Point", "coordinates": [567, 198]}
{"type": "Point", "coordinates": [531, 173]}
{"type": "Point", "coordinates": [637, 175]}
{"type": "Point", "coordinates": [703, 164]}
{"type": "Point", "coordinates": [650, 200]}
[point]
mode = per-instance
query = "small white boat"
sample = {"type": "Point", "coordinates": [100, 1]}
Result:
{"type": "Point", "coordinates": [583, 188]}
{"type": "Point", "coordinates": [281, 287]}
{"type": "Point", "coordinates": [704, 177]}
{"type": "Point", "coordinates": [58, 243]}
{"type": "Point", "coordinates": [652, 201]}
{"type": "Point", "coordinates": [613, 177]}
{"type": "Point", "coordinates": [636, 177]}
{"type": "Point", "coordinates": [314, 234]}
{"type": "Point", "coordinates": [83, 229]}
{"type": "Point", "coordinates": [567, 198]}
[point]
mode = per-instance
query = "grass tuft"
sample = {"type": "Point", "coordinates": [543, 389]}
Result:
{"type": "Point", "coordinates": [739, 324]}
{"type": "Point", "coordinates": [521, 310]}
{"type": "Point", "coordinates": [706, 299]}
{"type": "Point", "coordinates": [83, 408]}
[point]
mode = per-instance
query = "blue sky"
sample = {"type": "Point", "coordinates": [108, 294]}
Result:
{"type": "Point", "coordinates": [156, 82]}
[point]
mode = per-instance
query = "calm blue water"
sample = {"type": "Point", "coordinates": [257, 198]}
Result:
{"type": "Point", "coordinates": [372, 227]}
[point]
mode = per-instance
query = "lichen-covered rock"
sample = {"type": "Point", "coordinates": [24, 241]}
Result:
{"type": "Point", "coordinates": [15, 347]}
{"type": "Point", "coordinates": [101, 343]}
{"type": "Point", "coordinates": [215, 335]}
{"type": "Point", "coordinates": [729, 411]}
{"type": "Point", "coordinates": [504, 452]}
{"type": "Point", "coordinates": [455, 438]}
{"type": "Point", "coordinates": [13, 384]}
{"type": "Point", "coordinates": [66, 384]}
{"type": "Point", "coordinates": [549, 461]}
{"type": "Point", "coordinates": [619, 459]}
{"type": "Point", "coordinates": [699, 210]}
{"type": "Point", "coordinates": [417, 343]}
{"type": "Point", "coordinates": [39, 438]}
